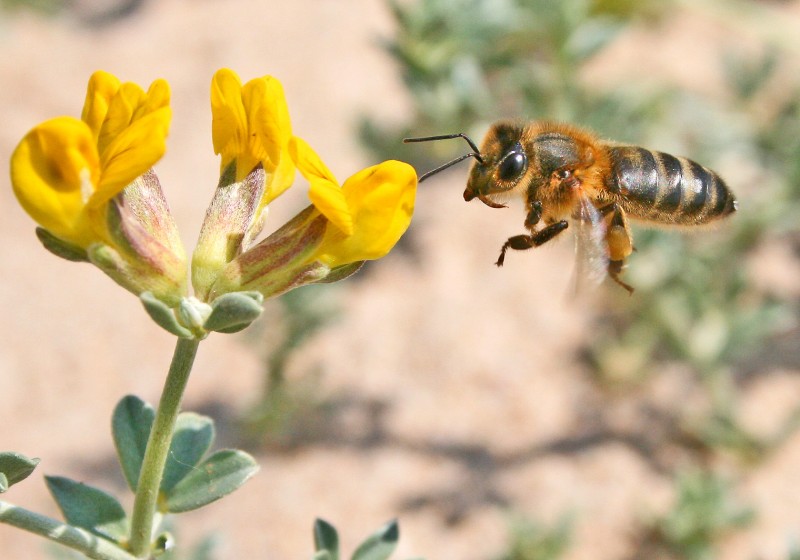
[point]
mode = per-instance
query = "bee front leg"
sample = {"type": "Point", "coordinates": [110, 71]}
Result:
{"type": "Point", "coordinates": [536, 238]}
{"type": "Point", "coordinates": [534, 214]}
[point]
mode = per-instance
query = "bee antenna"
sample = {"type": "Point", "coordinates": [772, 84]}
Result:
{"type": "Point", "coordinates": [476, 153]}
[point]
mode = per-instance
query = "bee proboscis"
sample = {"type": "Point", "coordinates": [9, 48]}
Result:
{"type": "Point", "coordinates": [565, 174]}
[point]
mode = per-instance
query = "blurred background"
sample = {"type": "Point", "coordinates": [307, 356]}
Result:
{"type": "Point", "coordinates": [495, 417]}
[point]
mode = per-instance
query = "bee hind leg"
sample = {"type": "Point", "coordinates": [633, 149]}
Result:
{"type": "Point", "coordinates": [619, 241]}
{"type": "Point", "coordinates": [536, 238]}
{"type": "Point", "coordinates": [614, 270]}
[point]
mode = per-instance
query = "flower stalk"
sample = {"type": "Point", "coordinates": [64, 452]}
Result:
{"type": "Point", "coordinates": [155, 456]}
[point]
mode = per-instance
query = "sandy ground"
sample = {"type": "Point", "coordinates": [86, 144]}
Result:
{"type": "Point", "coordinates": [461, 396]}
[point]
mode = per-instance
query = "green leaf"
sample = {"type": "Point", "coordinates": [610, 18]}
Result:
{"type": "Point", "coordinates": [14, 467]}
{"type": "Point", "coordinates": [89, 508]}
{"type": "Point", "coordinates": [326, 538]}
{"type": "Point", "coordinates": [380, 544]}
{"type": "Point", "coordinates": [191, 440]}
{"type": "Point", "coordinates": [322, 555]}
{"type": "Point", "coordinates": [219, 475]}
{"type": "Point", "coordinates": [131, 424]}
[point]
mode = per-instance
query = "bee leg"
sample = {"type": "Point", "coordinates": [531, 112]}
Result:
{"type": "Point", "coordinates": [614, 270]}
{"type": "Point", "coordinates": [619, 241]}
{"type": "Point", "coordinates": [534, 214]}
{"type": "Point", "coordinates": [536, 238]}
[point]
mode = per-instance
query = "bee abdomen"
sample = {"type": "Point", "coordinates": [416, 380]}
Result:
{"type": "Point", "coordinates": [657, 186]}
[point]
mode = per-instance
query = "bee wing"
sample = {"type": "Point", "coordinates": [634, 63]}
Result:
{"type": "Point", "coordinates": [591, 250]}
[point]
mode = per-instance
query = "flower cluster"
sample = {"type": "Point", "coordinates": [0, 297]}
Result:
{"type": "Point", "coordinates": [90, 186]}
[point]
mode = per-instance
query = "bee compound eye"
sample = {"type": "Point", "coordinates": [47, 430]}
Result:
{"type": "Point", "coordinates": [512, 165]}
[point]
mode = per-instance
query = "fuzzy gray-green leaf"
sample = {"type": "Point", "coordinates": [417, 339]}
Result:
{"type": "Point", "coordinates": [326, 538]}
{"type": "Point", "coordinates": [130, 426]}
{"type": "Point", "coordinates": [380, 544]}
{"type": "Point", "coordinates": [191, 440]}
{"type": "Point", "coordinates": [14, 467]}
{"type": "Point", "coordinates": [89, 508]}
{"type": "Point", "coordinates": [219, 475]}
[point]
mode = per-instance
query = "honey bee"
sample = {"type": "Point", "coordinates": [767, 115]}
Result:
{"type": "Point", "coordinates": [566, 174]}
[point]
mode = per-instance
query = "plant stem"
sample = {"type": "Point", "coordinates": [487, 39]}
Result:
{"type": "Point", "coordinates": [155, 455]}
{"type": "Point", "coordinates": [83, 541]}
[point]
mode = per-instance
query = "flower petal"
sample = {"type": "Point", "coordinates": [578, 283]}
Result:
{"type": "Point", "coordinates": [53, 170]}
{"type": "Point", "coordinates": [324, 191]}
{"type": "Point", "coordinates": [381, 202]}
{"type": "Point", "coordinates": [268, 120]}
{"type": "Point", "coordinates": [228, 117]}
{"type": "Point", "coordinates": [120, 113]}
{"type": "Point", "coordinates": [131, 153]}
{"type": "Point", "coordinates": [102, 88]}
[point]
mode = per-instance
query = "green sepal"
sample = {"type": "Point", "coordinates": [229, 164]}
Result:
{"type": "Point", "coordinates": [131, 423]}
{"type": "Point", "coordinates": [234, 311]}
{"type": "Point", "coordinates": [217, 476]}
{"type": "Point", "coordinates": [163, 315]}
{"type": "Point", "coordinates": [61, 248]}
{"type": "Point", "coordinates": [89, 508]}
{"type": "Point", "coordinates": [14, 467]}
{"type": "Point", "coordinates": [322, 555]}
{"type": "Point", "coordinates": [341, 272]}
{"type": "Point", "coordinates": [326, 539]}
{"type": "Point", "coordinates": [191, 440]}
{"type": "Point", "coordinates": [192, 314]}
{"type": "Point", "coordinates": [380, 544]}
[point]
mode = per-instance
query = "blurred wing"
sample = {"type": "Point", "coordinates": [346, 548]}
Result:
{"type": "Point", "coordinates": [591, 250]}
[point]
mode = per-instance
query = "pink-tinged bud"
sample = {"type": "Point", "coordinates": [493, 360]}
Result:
{"type": "Point", "coordinates": [280, 262]}
{"type": "Point", "coordinates": [145, 253]}
{"type": "Point", "coordinates": [233, 219]}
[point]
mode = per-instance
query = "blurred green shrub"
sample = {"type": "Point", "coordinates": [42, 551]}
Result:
{"type": "Point", "coordinates": [531, 540]}
{"type": "Point", "coordinates": [49, 7]}
{"type": "Point", "coordinates": [704, 511]}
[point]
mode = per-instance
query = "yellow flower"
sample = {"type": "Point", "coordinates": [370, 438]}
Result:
{"type": "Point", "coordinates": [367, 215]}
{"type": "Point", "coordinates": [65, 170]}
{"type": "Point", "coordinates": [361, 220]}
{"type": "Point", "coordinates": [250, 129]}
{"type": "Point", "coordinates": [250, 125]}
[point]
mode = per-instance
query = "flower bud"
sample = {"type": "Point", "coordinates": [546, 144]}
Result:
{"type": "Point", "coordinates": [230, 224]}
{"type": "Point", "coordinates": [144, 252]}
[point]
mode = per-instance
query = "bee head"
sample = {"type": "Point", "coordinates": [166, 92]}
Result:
{"type": "Point", "coordinates": [505, 162]}
{"type": "Point", "coordinates": [515, 157]}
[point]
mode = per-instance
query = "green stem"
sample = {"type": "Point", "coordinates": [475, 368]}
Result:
{"type": "Point", "coordinates": [90, 545]}
{"type": "Point", "coordinates": [155, 455]}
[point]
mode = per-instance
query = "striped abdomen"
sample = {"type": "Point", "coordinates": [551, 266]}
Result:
{"type": "Point", "coordinates": [659, 187]}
